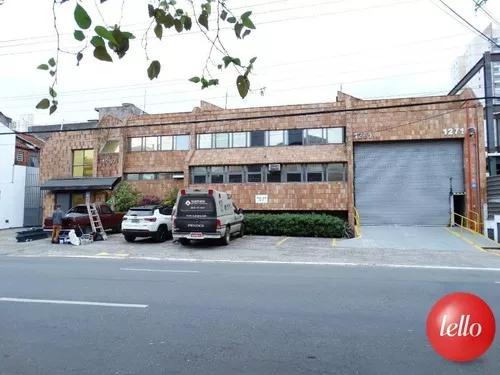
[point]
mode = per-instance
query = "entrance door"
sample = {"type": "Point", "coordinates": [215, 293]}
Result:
{"type": "Point", "coordinates": [64, 199]}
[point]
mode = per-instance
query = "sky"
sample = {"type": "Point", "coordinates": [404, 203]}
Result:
{"type": "Point", "coordinates": [306, 51]}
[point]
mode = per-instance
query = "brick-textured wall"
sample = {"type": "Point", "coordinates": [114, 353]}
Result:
{"type": "Point", "coordinates": [323, 196]}
{"type": "Point", "coordinates": [362, 124]}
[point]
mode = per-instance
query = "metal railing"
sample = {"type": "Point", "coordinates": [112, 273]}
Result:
{"type": "Point", "coordinates": [467, 223]}
{"type": "Point", "coordinates": [357, 223]}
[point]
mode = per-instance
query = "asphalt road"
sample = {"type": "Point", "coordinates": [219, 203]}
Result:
{"type": "Point", "coordinates": [202, 318]}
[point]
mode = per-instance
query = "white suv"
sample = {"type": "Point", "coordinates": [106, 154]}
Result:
{"type": "Point", "coordinates": [148, 221]}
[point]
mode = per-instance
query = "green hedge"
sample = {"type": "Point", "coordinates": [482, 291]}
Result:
{"type": "Point", "coordinates": [295, 225]}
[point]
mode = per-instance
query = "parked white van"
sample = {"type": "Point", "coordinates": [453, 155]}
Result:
{"type": "Point", "coordinates": [206, 214]}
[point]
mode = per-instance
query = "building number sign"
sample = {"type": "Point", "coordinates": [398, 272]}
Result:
{"type": "Point", "coordinates": [453, 131]}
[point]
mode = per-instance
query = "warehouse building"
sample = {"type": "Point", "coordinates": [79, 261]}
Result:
{"type": "Point", "coordinates": [407, 161]}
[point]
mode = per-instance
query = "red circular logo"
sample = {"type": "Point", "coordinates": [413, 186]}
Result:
{"type": "Point", "coordinates": [461, 327]}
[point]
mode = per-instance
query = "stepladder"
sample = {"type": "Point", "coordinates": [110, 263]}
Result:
{"type": "Point", "coordinates": [95, 219]}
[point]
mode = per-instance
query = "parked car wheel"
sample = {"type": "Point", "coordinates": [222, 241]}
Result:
{"type": "Point", "coordinates": [227, 237]}
{"type": "Point", "coordinates": [184, 241]}
{"type": "Point", "coordinates": [129, 238]}
{"type": "Point", "coordinates": [242, 230]}
{"type": "Point", "coordinates": [162, 234]}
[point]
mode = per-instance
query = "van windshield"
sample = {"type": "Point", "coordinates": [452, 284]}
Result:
{"type": "Point", "coordinates": [196, 206]}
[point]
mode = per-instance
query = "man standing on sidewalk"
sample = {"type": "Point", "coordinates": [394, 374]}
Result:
{"type": "Point", "coordinates": [57, 217]}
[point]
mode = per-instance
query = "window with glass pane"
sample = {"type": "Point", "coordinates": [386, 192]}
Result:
{"type": "Point", "coordinates": [199, 175]}
{"type": "Point", "coordinates": [257, 138]}
{"type": "Point", "coordinates": [239, 139]}
{"type": "Point", "coordinates": [204, 141]}
{"type": "Point", "coordinates": [336, 172]}
{"type": "Point", "coordinates": [254, 173]}
{"type": "Point", "coordinates": [148, 176]}
{"type": "Point", "coordinates": [221, 140]}
{"type": "Point", "coordinates": [111, 147]}
{"type": "Point", "coordinates": [295, 137]}
{"type": "Point", "coordinates": [83, 162]}
{"type": "Point", "coordinates": [335, 135]}
{"type": "Point", "coordinates": [135, 144]}
{"type": "Point", "coordinates": [314, 173]}
{"type": "Point", "coordinates": [132, 176]}
{"type": "Point", "coordinates": [293, 173]}
{"type": "Point", "coordinates": [166, 143]}
{"type": "Point", "coordinates": [182, 142]}
{"type": "Point", "coordinates": [315, 137]}
{"type": "Point", "coordinates": [276, 138]}
{"type": "Point", "coordinates": [217, 175]}
{"type": "Point", "coordinates": [150, 143]}
{"type": "Point", "coordinates": [235, 173]}
{"type": "Point", "coordinates": [273, 176]}
{"type": "Point", "coordinates": [164, 176]}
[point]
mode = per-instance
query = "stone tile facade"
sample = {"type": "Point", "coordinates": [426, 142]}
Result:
{"type": "Point", "coordinates": [364, 121]}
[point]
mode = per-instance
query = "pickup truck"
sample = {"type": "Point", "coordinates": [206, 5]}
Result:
{"type": "Point", "coordinates": [77, 218]}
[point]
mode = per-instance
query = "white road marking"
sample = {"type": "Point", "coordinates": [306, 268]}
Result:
{"type": "Point", "coordinates": [298, 263]}
{"type": "Point", "coordinates": [157, 270]}
{"type": "Point", "coordinates": [64, 302]}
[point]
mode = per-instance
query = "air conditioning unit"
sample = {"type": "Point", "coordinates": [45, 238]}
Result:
{"type": "Point", "coordinates": [274, 167]}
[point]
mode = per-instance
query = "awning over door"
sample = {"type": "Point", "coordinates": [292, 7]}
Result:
{"type": "Point", "coordinates": [81, 184]}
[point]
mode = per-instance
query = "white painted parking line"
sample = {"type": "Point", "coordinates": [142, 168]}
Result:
{"type": "Point", "coordinates": [65, 302]}
{"type": "Point", "coordinates": [157, 270]}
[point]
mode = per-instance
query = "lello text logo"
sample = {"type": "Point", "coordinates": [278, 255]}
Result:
{"type": "Point", "coordinates": [461, 327]}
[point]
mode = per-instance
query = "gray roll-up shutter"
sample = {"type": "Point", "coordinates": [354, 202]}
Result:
{"type": "Point", "coordinates": [407, 183]}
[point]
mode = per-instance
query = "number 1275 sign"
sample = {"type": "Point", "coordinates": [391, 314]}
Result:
{"type": "Point", "coordinates": [453, 131]}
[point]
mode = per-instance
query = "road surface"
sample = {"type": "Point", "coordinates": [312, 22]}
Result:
{"type": "Point", "coordinates": [98, 316]}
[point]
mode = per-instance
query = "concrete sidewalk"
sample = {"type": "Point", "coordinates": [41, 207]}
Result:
{"type": "Point", "coordinates": [390, 246]}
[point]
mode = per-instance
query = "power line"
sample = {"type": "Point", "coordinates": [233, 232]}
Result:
{"type": "Point", "coordinates": [470, 25]}
{"type": "Point", "coordinates": [263, 117]}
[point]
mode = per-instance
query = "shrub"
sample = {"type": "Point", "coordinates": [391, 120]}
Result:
{"type": "Point", "coordinates": [171, 197]}
{"type": "Point", "coordinates": [295, 225]}
{"type": "Point", "coordinates": [125, 196]}
{"type": "Point", "coordinates": [148, 200]}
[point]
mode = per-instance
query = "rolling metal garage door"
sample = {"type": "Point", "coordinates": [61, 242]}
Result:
{"type": "Point", "coordinates": [407, 183]}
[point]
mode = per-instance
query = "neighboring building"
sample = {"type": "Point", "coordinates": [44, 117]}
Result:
{"type": "Point", "coordinates": [397, 165]}
{"type": "Point", "coordinates": [4, 120]}
{"type": "Point", "coordinates": [20, 196]}
{"type": "Point", "coordinates": [479, 70]}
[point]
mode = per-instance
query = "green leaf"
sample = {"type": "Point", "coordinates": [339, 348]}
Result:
{"type": "Point", "coordinates": [151, 10]}
{"type": "Point", "coordinates": [78, 34]}
{"type": "Point", "coordinates": [101, 53]}
{"type": "Point", "coordinates": [154, 69]}
{"type": "Point", "coordinates": [187, 22]}
{"type": "Point", "coordinates": [43, 67]}
{"type": "Point", "coordinates": [52, 92]}
{"type": "Point", "coordinates": [243, 85]}
{"type": "Point", "coordinates": [195, 79]}
{"type": "Point", "coordinates": [82, 18]}
{"type": "Point", "coordinates": [158, 30]}
{"type": "Point", "coordinates": [179, 12]}
{"type": "Point", "coordinates": [52, 62]}
{"type": "Point", "coordinates": [245, 33]}
{"type": "Point", "coordinates": [52, 109]}
{"type": "Point", "coordinates": [43, 104]}
{"type": "Point", "coordinates": [128, 35]}
{"type": "Point", "coordinates": [228, 60]}
{"type": "Point", "coordinates": [247, 22]}
{"type": "Point", "coordinates": [231, 20]}
{"type": "Point", "coordinates": [178, 25]}
{"type": "Point", "coordinates": [105, 33]}
{"type": "Point", "coordinates": [223, 15]}
{"type": "Point", "coordinates": [167, 21]}
{"type": "Point", "coordinates": [252, 60]}
{"type": "Point", "coordinates": [79, 57]}
{"type": "Point", "coordinates": [237, 29]}
{"type": "Point", "coordinates": [203, 19]}
{"type": "Point", "coordinates": [52, 73]}
{"type": "Point", "coordinates": [97, 41]}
